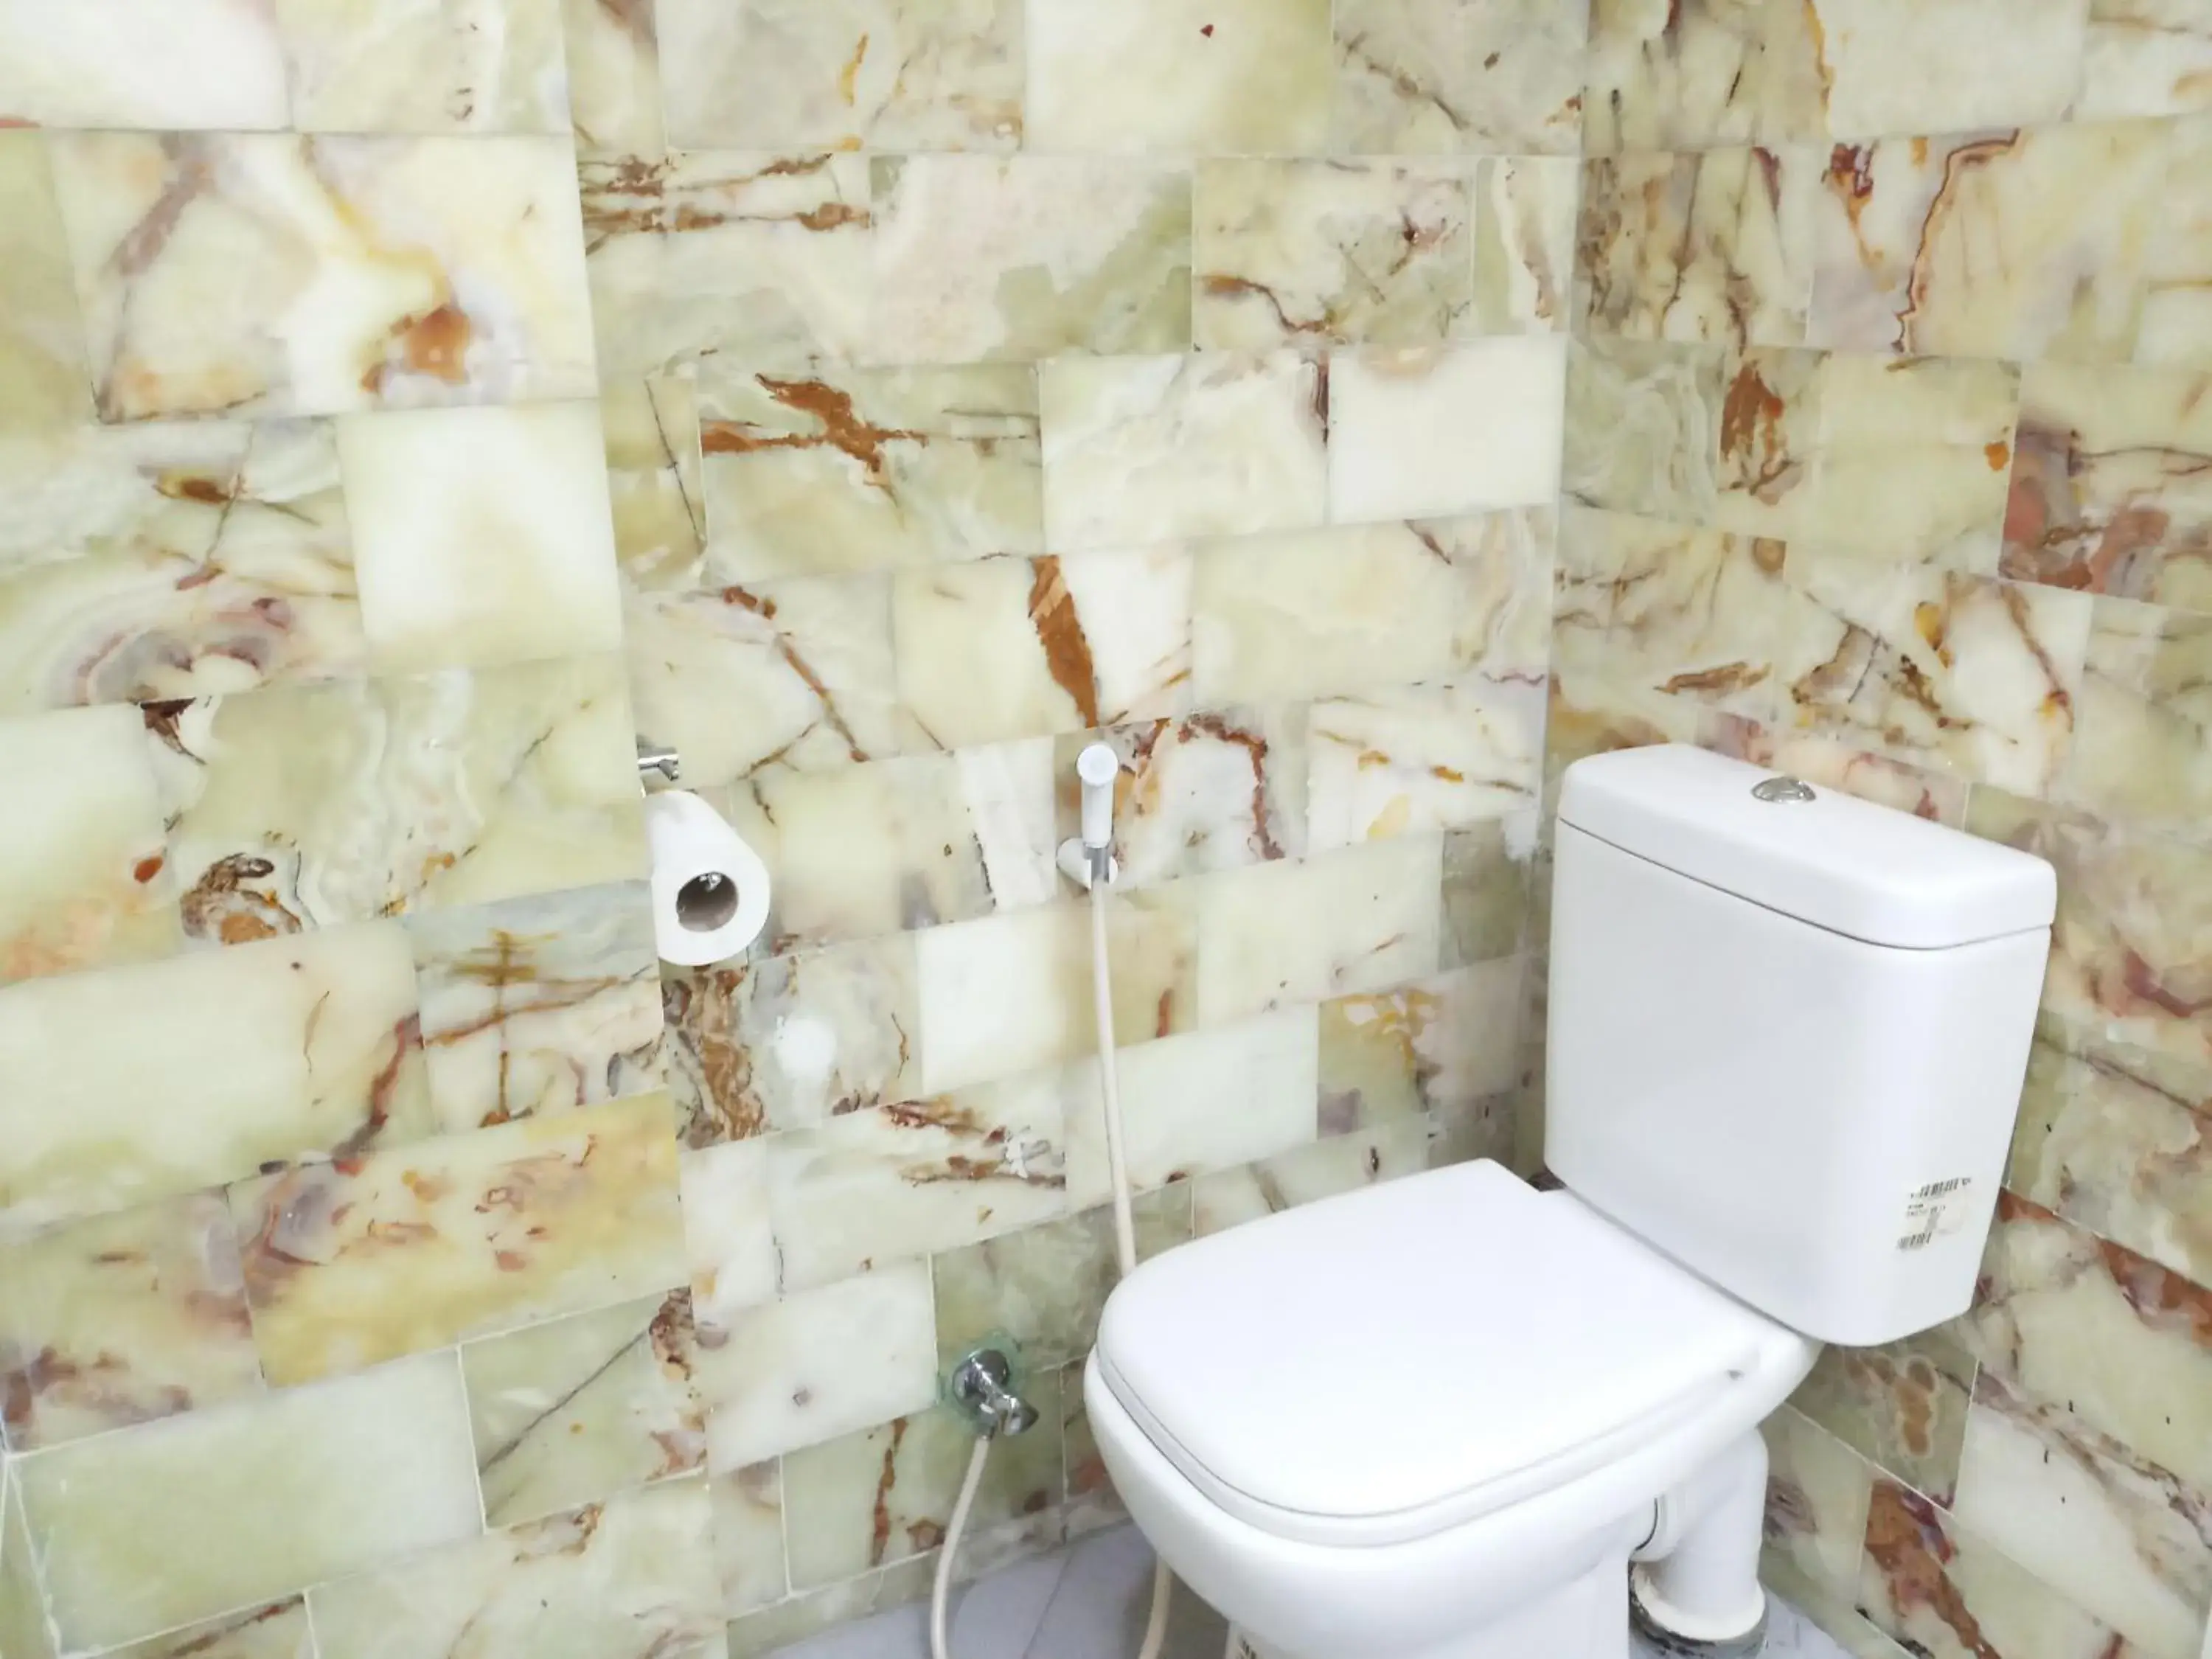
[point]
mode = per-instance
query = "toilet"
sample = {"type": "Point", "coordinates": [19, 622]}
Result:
{"type": "Point", "coordinates": [1454, 1417]}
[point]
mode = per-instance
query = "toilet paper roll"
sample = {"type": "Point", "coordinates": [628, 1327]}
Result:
{"type": "Point", "coordinates": [709, 890]}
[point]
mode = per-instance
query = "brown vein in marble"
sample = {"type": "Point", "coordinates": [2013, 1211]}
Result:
{"type": "Point", "coordinates": [433, 342]}
{"type": "Point", "coordinates": [507, 962]}
{"type": "Point", "coordinates": [700, 1010]}
{"type": "Point", "coordinates": [1355, 47]}
{"type": "Point", "coordinates": [222, 904]}
{"type": "Point", "coordinates": [765, 609]}
{"type": "Point", "coordinates": [879, 1533]}
{"type": "Point", "coordinates": [1060, 632]}
{"type": "Point", "coordinates": [998, 1163]}
{"type": "Point", "coordinates": [2053, 536]}
{"type": "Point", "coordinates": [670, 1333]}
{"type": "Point", "coordinates": [693, 510]}
{"type": "Point", "coordinates": [842, 428]}
{"type": "Point", "coordinates": [647, 178]}
{"type": "Point", "coordinates": [1905, 1539]}
{"type": "Point", "coordinates": [1255, 750]}
{"type": "Point", "coordinates": [406, 1039]}
{"type": "Point", "coordinates": [1752, 415]}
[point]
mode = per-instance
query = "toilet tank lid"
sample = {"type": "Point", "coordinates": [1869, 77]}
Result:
{"type": "Point", "coordinates": [1838, 862]}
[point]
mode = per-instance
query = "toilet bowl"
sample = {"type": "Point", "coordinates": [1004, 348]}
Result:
{"type": "Point", "coordinates": [1431, 1420]}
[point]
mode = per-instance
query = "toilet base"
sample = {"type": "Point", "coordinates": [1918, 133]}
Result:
{"type": "Point", "coordinates": [1586, 1618]}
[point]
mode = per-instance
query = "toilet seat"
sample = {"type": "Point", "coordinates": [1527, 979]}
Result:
{"type": "Point", "coordinates": [1395, 1362]}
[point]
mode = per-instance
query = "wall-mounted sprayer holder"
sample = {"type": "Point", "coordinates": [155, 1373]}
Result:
{"type": "Point", "coordinates": [658, 758]}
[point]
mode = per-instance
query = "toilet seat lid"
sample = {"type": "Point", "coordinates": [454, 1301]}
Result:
{"type": "Point", "coordinates": [1378, 1366]}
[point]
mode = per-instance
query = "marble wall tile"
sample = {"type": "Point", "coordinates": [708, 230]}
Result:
{"type": "Point", "coordinates": [704, 253]}
{"type": "Point", "coordinates": [2112, 1137]}
{"type": "Point", "coordinates": [1324, 1170]}
{"type": "Point", "coordinates": [1955, 673]}
{"type": "Point", "coordinates": [613, 51]}
{"type": "Point", "coordinates": [2067, 1319]}
{"type": "Point", "coordinates": [24, 1626]}
{"type": "Point", "coordinates": [170, 560]}
{"type": "Point", "coordinates": [656, 486]}
{"type": "Point", "coordinates": [304, 807]}
{"type": "Point", "coordinates": [1407, 760]}
{"type": "Point", "coordinates": [1210, 791]}
{"type": "Point", "coordinates": [280, 275]}
{"type": "Point", "coordinates": [2146, 58]}
{"type": "Point", "coordinates": [2108, 488]}
{"type": "Point", "coordinates": [206, 63]}
{"type": "Point", "coordinates": [1443, 1044]}
{"type": "Point", "coordinates": [403, 1250]}
{"type": "Point", "coordinates": [1430, 76]}
{"type": "Point", "coordinates": [122, 1319]}
{"type": "Point", "coordinates": [1931, 1583]}
{"type": "Point", "coordinates": [858, 469]}
{"type": "Point", "coordinates": [2129, 942]}
{"type": "Point", "coordinates": [1295, 250]}
{"type": "Point", "coordinates": [888, 75]}
{"type": "Point", "coordinates": [295, 1047]}
{"type": "Point", "coordinates": [1486, 897]}
{"type": "Point", "coordinates": [275, 1630]}
{"type": "Point", "coordinates": [1210, 1100]}
{"type": "Point", "coordinates": [1766, 465]}
{"type": "Point", "coordinates": [779, 1043]}
{"type": "Point", "coordinates": [1716, 245]}
{"type": "Point", "coordinates": [1357, 920]}
{"type": "Point", "coordinates": [1818, 1491]}
{"type": "Point", "coordinates": [796, 673]}
{"type": "Point", "coordinates": [1703, 74]}
{"type": "Point", "coordinates": [1024, 257]}
{"type": "Point", "coordinates": [1045, 1285]}
{"type": "Point", "coordinates": [1142, 449]}
{"type": "Point", "coordinates": [818, 1364]}
{"type": "Point", "coordinates": [167, 1522]}
{"type": "Point", "coordinates": [632, 1576]}
{"type": "Point", "coordinates": [41, 345]}
{"type": "Point", "coordinates": [1643, 428]}
{"type": "Point", "coordinates": [1009, 993]}
{"type": "Point", "coordinates": [1829, 1609]}
{"type": "Point", "coordinates": [727, 1229]}
{"type": "Point", "coordinates": [848, 1601]}
{"type": "Point", "coordinates": [482, 536]}
{"type": "Point", "coordinates": [1424, 434]}
{"type": "Point", "coordinates": [1925, 794]}
{"type": "Point", "coordinates": [538, 1005]}
{"type": "Point", "coordinates": [1524, 244]}
{"type": "Point", "coordinates": [2177, 309]}
{"type": "Point", "coordinates": [895, 1182]}
{"type": "Point", "coordinates": [83, 872]}
{"type": "Point", "coordinates": [1344, 610]}
{"type": "Point", "coordinates": [386, 66]}
{"type": "Point", "coordinates": [879, 1496]}
{"type": "Point", "coordinates": [1150, 76]}
{"type": "Point", "coordinates": [748, 1508]}
{"type": "Point", "coordinates": [2119, 1537]}
{"type": "Point", "coordinates": [576, 1410]}
{"type": "Point", "coordinates": [1902, 1406]}
{"type": "Point", "coordinates": [1904, 231]}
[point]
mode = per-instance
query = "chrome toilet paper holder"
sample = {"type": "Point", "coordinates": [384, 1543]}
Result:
{"type": "Point", "coordinates": [658, 758]}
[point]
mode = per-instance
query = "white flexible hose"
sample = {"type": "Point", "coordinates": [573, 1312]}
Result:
{"type": "Point", "coordinates": [1125, 1257]}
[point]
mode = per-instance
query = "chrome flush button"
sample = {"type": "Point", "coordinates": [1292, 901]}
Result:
{"type": "Point", "coordinates": [1782, 789]}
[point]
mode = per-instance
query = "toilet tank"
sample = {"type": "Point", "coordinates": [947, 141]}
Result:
{"type": "Point", "coordinates": [1788, 1031]}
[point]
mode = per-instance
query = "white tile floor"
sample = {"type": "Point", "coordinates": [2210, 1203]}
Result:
{"type": "Point", "coordinates": [1089, 1601]}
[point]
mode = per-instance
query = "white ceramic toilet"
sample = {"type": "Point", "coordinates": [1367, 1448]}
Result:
{"type": "Point", "coordinates": [1440, 1418]}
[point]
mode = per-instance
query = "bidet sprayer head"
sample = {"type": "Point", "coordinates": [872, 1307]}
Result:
{"type": "Point", "coordinates": [1097, 767]}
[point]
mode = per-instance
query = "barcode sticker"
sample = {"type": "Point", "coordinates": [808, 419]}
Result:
{"type": "Point", "coordinates": [1934, 1210]}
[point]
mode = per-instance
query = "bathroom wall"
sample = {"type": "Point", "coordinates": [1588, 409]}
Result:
{"type": "Point", "coordinates": [404, 408]}
{"type": "Point", "coordinates": [1888, 438]}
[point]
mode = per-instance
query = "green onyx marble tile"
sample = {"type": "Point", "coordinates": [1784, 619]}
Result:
{"type": "Point", "coordinates": [2110, 1137]}
{"type": "Point", "coordinates": [887, 75]}
{"type": "Point", "coordinates": [206, 66]}
{"type": "Point", "coordinates": [488, 66]}
{"type": "Point", "coordinates": [302, 807]}
{"type": "Point", "coordinates": [1428, 432]}
{"type": "Point", "coordinates": [1524, 244]}
{"type": "Point", "coordinates": [1398, 761]}
{"type": "Point", "coordinates": [41, 348]}
{"type": "Point", "coordinates": [538, 1005]}
{"type": "Point", "coordinates": [1935, 796]}
{"type": "Point", "coordinates": [86, 883]}
{"type": "Point", "coordinates": [763, 259]}
{"type": "Point", "coordinates": [848, 469]}
{"type": "Point", "coordinates": [613, 54]}
{"type": "Point", "coordinates": [123, 1319]}
{"type": "Point", "coordinates": [1429, 76]}
{"type": "Point", "coordinates": [348, 1264]}
{"type": "Point", "coordinates": [784, 1041]}
{"type": "Point", "coordinates": [1437, 1045]}
{"type": "Point", "coordinates": [1022, 258]}
{"type": "Point", "coordinates": [1834, 1611]}
{"type": "Point", "coordinates": [1644, 421]}
{"type": "Point", "coordinates": [576, 1410]}
{"type": "Point", "coordinates": [172, 559]}
{"type": "Point", "coordinates": [1044, 1286]}
{"type": "Point", "coordinates": [292, 1048]}
{"type": "Point", "coordinates": [1486, 894]}
{"type": "Point", "coordinates": [1147, 77]}
{"type": "Point", "coordinates": [278, 1630]}
{"type": "Point", "coordinates": [2143, 758]}
{"type": "Point", "coordinates": [160, 1525]}
{"type": "Point", "coordinates": [1704, 74]}
{"type": "Point", "coordinates": [1818, 1490]}
{"type": "Point", "coordinates": [1710, 246]}
{"type": "Point", "coordinates": [877, 1497]}
{"type": "Point", "coordinates": [1292, 252]}
{"type": "Point", "coordinates": [462, 257]}
{"type": "Point", "coordinates": [24, 1629]}
{"type": "Point", "coordinates": [655, 487]}
{"type": "Point", "coordinates": [1767, 457]}
{"type": "Point", "coordinates": [633, 1576]}
{"type": "Point", "coordinates": [1902, 1406]}
{"type": "Point", "coordinates": [2144, 57]}
{"type": "Point", "coordinates": [1342, 1164]}
{"type": "Point", "coordinates": [848, 1600]}
{"type": "Point", "coordinates": [728, 1229]}
{"type": "Point", "coordinates": [748, 1515]}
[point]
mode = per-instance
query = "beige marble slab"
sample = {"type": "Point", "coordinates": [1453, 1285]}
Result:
{"type": "Point", "coordinates": [763, 258]}
{"type": "Point", "coordinates": [168, 1523]}
{"type": "Point", "coordinates": [408, 1250]}
{"type": "Point", "coordinates": [748, 1510]}
{"type": "Point", "coordinates": [728, 1229]}
{"type": "Point", "coordinates": [613, 54]}
{"type": "Point", "coordinates": [1524, 244]}
{"type": "Point", "coordinates": [1210, 791]}
{"type": "Point", "coordinates": [888, 75]}
{"type": "Point", "coordinates": [656, 488]}
{"type": "Point", "coordinates": [1432, 76]}
{"type": "Point", "coordinates": [632, 1577]}
{"type": "Point", "coordinates": [281, 274]}
{"type": "Point", "coordinates": [1412, 759]}
{"type": "Point", "coordinates": [1430, 432]}
{"type": "Point", "coordinates": [481, 536]}
{"type": "Point", "coordinates": [394, 66]}
{"type": "Point", "coordinates": [295, 1047]}
{"type": "Point", "coordinates": [173, 559]}
{"type": "Point", "coordinates": [1700, 75]}
{"type": "Point", "coordinates": [1644, 428]}
{"type": "Point", "coordinates": [2141, 758]}
{"type": "Point", "coordinates": [205, 63]}
{"type": "Point", "coordinates": [576, 1410]}
{"type": "Point", "coordinates": [41, 346]}
{"type": "Point", "coordinates": [1442, 1045]}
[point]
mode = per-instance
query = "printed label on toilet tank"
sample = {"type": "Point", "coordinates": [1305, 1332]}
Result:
{"type": "Point", "coordinates": [1934, 1210]}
